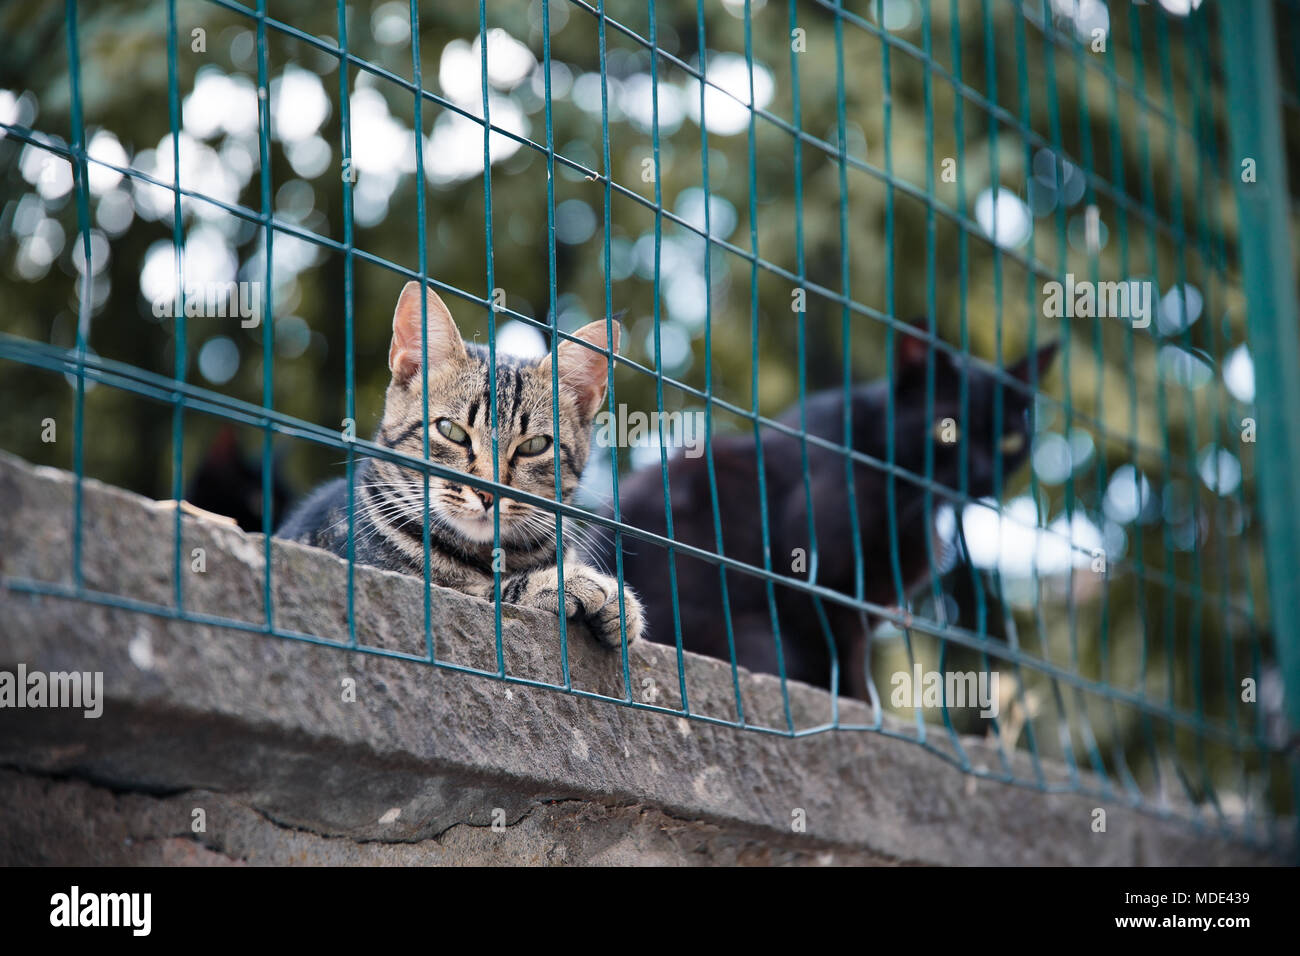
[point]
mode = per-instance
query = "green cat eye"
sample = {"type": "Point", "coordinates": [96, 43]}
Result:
{"type": "Point", "coordinates": [535, 445]}
{"type": "Point", "coordinates": [1012, 443]}
{"type": "Point", "coordinates": [451, 431]}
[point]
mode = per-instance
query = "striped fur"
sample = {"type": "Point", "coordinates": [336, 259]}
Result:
{"type": "Point", "coordinates": [389, 500]}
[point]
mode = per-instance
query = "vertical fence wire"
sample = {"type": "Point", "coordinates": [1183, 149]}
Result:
{"type": "Point", "coordinates": [991, 80]}
{"type": "Point", "coordinates": [268, 300]}
{"type": "Point", "coordinates": [710, 463]}
{"type": "Point", "coordinates": [553, 311]}
{"type": "Point", "coordinates": [801, 362]}
{"type": "Point", "coordinates": [1266, 247]}
{"type": "Point", "coordinates": [607, 216]}
{"type": "Point", "coordinates": [178, 252]}
{"type": "Point", "coordinates": [349, 331]}
{"type": "Point", "coordinates": [81, 185]}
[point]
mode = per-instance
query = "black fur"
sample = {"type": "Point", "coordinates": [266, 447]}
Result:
{"type": "Point", "coordinates": [229, 482]}
{"type": "Point", "coordinates": [805, 644]}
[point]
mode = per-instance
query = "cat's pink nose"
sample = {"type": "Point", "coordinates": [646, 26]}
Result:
{"type": "Point", "coordinates": [486, 498]}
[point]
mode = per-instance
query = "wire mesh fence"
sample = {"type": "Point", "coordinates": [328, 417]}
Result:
{"type": "Point", "coordinates": [209, 208]}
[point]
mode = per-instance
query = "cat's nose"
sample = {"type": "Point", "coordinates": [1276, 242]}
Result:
{"type": "Point", "coordinates": [485, 497]}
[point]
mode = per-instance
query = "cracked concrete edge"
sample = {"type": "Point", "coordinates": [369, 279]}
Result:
{"type": "Point", "coordinates": [198, 706]}
{"type": "Point", "coordinates": [80, 823]}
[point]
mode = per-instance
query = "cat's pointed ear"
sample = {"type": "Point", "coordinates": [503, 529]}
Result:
{"type": "Point", "coordinates": [584, 373]}
{"type": "Point", "coordinates": [1040, 361]}
{"type": "Point", "coordinates": [910, 352]}
{"type": "Point", "coordinates": [444, 341]}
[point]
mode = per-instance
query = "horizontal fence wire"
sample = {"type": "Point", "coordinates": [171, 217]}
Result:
{"type": "Point", "coordinates": [1158, 131]}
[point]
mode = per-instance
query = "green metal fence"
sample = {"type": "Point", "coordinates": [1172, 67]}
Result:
{"type": "Point", "coordinates": [883, 158]}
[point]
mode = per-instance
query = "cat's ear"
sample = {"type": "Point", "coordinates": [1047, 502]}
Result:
{"type": "Point", "coordinates": [444, 341]}
{"type": "Point", "coordinates": [1040, 361]}
{"type": "Point", "coordinates": [583, 372]}
{"type": "Point", "coordinates": [910, 352]}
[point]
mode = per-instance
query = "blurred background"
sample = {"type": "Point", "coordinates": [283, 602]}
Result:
{"type": "Point", "coordinates": [1138, 456]}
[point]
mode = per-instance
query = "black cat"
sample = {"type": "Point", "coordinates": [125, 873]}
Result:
{"type": "Point", "coordinates": [806, 650]}
{"type": "Point", "coordinates": [229, 482]}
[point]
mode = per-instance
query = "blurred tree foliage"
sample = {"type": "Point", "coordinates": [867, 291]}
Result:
{"type": "Point", "coordinates": [1177, 615]}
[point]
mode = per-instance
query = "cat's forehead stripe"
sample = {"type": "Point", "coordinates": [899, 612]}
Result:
{"type": "Point", "coordinates": [513, 385]}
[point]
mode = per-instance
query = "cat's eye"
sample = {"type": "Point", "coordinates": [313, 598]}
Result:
{"type": "Point", "coordinates": [451, 431]}
{"type": "Point", "coordinates": [1012, 443]}
{"type": "Point", "coordinates": [534, 446]}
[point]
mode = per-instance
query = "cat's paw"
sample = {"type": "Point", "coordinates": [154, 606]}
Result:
{"type": "Point", "coordinates": [593, 599]}
{"type": "Point", "coordinates": [601, 608]}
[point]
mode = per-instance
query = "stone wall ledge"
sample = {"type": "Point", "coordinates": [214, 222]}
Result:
{"type": "Point", "coordinates": [254, 729]}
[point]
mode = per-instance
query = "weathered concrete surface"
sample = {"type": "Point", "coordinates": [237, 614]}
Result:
{"type": "Point", "coordinates": [255, 730]}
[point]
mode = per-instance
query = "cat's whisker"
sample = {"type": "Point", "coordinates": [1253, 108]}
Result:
{"type": "Point", "coordinates": [391, 512]}
{"type": "Point", "coordinates": [541, 527]}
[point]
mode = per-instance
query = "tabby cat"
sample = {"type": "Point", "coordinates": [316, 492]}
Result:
{"type": "Point", "coordinates": [806, 651]}
{"type": "Point", "coordinates": [389, 509]}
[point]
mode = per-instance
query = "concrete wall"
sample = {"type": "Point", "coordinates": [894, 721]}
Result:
{"type": "Point", "coordinates": [257, 732]}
